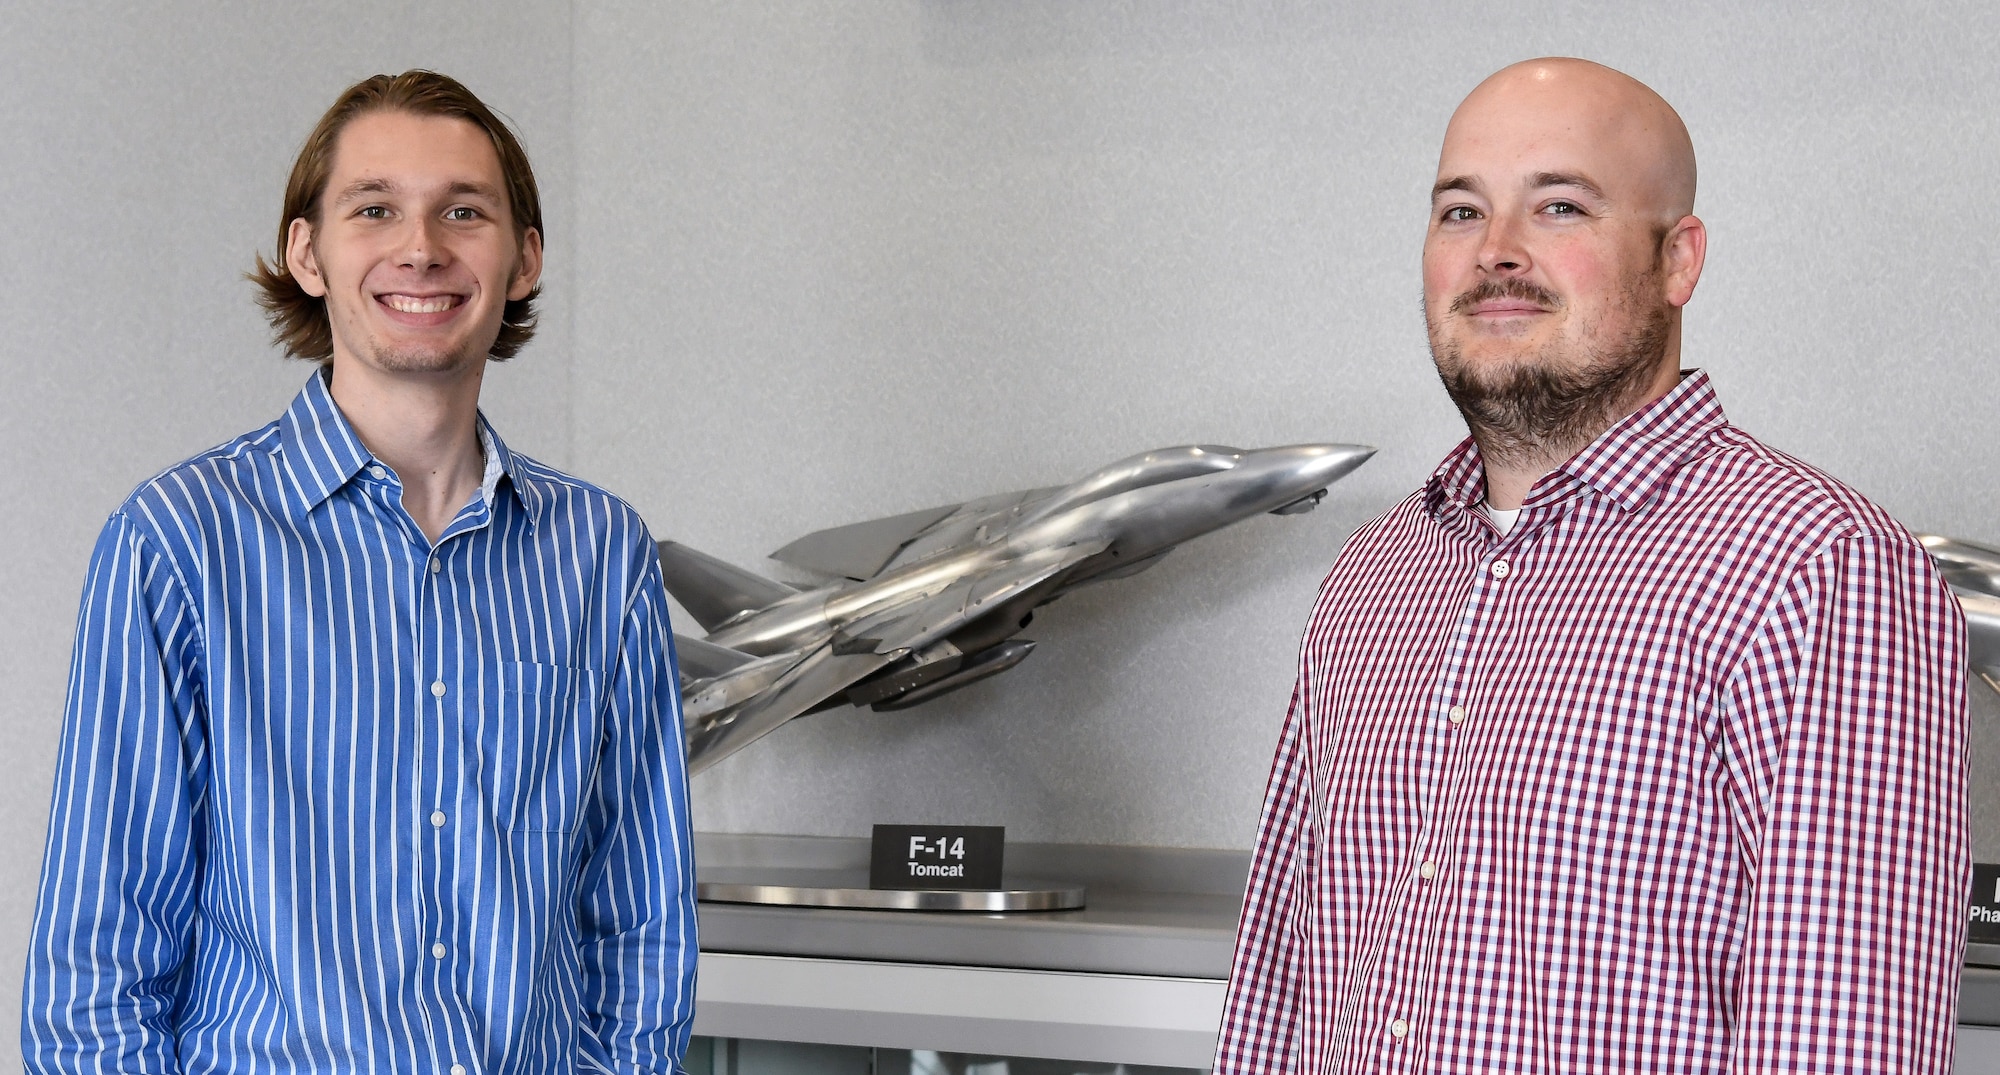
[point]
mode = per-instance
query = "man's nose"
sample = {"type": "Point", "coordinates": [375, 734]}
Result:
{"type": "Point", "coordinates": [1501, 251]}
{"type": "Point", "coordinates": [420, 248]}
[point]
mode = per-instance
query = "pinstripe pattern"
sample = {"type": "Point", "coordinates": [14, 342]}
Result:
{"type": "Point", "coordinates": [1702, 810]}
{"type": "Point", "coordinates": [302, 748]}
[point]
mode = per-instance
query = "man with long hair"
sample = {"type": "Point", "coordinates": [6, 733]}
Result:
{"type": "Point", "coordinates": [372, 756]}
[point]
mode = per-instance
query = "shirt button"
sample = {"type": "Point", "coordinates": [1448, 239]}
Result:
{"type": "Point", "coordinates": [1399, 1030]}
{"type": "Point", "coordinates": [437, 950]}
{"type": "Point", "coordinates": [1426, 871]}
{"type": "Point", "coordinates": [1457, 714]}
{"type": "Point", "coordinates": [377, 472]}
{"type": "Point", "coordinates": [1500, 569]}
{"type": "Point", "coordinates": [437, 689]}
{"type": "Point", "coordinates": [458, 1069]}
{"type": "Point", "coordinates": [436, 567]}
{"type": "Point", "coordinates": [437, 819]}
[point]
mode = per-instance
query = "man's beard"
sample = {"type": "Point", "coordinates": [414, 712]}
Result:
{"type": "Point", "coordinates": [423, 361]}
{"type": "Point", "coordinates": [1540, 409]}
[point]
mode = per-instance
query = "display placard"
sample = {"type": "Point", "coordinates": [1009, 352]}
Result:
{"type": "Point", "coordinates": [1983, 927]}
{"type": "Point", "coordinates": [937, 856]}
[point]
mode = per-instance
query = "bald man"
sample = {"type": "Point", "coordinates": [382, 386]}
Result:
{"type": "Point", "coordinates": [1626, 743]}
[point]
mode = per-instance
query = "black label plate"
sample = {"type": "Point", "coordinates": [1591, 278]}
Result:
{"type": "Point", "coordinates": [958, 857]}
{"type": "Point", "coordinates": [1983, 927]}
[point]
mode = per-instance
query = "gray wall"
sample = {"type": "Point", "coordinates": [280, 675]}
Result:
{"type": "Point", "coordinates": [812, 263]}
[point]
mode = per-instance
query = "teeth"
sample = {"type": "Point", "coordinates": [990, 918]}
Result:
{"type": "Point", "coordinates": [408, 305]}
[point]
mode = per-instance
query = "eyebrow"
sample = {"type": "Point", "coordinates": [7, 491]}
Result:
{"type": "Point", "coordinates": [363, 187]}
{"type": "Point", "coordinates": [1535, 182]}
{"type": "Point", "coordinates": [1565, 179]}
{"type": "Point", "coordinates": [1458, 182]}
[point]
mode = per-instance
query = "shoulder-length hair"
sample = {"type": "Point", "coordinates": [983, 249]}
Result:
{"type": "Point", "coordinates": [298, 320]}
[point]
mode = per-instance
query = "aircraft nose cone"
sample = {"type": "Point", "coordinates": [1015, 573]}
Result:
{"type": "Point", "coordinates": [1318, 464]}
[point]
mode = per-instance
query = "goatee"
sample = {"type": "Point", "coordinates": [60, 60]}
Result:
{"type": "Point", "coordinates": [1540, 409]}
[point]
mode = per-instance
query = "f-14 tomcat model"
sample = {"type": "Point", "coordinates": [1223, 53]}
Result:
{"type": "Point", "coordinates": [927, 602]}
{"type": "Point", "coordinates": [1973, 572]}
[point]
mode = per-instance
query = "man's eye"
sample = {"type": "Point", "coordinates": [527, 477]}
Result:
{"type": "Point", "coordinates": [373, 212]}
{"type": "Point", "coordinates": [1459, 213]}
{"type": "Point", "coordinates": [463, 212]}
{"type": "Point", "coordinates": [1563, 209]}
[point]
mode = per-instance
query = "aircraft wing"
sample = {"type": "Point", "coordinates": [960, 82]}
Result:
{"type": "Point", "coordinates": [819, 676]}
{"type": "Point", "coordinates": [866, 646]}
{"type": "Point", "coordinates": [860, 550]}
{"type": "Point", "coordinates": [702, 659]}
{"type": "Point", "coordinates": [916, 624]}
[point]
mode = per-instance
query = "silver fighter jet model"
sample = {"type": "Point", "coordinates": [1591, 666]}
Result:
{"type": "Point", "coordinates": [925, 603]}
{"type": "Point", "coordinates": [1973, 572]}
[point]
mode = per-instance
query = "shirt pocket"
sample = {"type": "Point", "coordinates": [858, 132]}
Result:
{"type": "Point", "coordinates": [543, 747]}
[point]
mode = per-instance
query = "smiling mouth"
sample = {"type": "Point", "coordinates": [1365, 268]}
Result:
{"type": "Point", "coordinates": [413, 304]}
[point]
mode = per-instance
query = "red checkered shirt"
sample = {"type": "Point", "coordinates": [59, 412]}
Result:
{"type": "Point", "coordinates": [1671, 778]}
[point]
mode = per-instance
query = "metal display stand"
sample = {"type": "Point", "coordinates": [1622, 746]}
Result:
{"type": "Point", "coordinates": [805, 887]}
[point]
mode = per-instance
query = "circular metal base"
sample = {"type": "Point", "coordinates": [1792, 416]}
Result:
{"type": "Point", "coordinates": [849, 889]}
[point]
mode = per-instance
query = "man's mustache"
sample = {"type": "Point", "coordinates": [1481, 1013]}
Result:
{"type": "Point", "coordinates": [1509, 288]}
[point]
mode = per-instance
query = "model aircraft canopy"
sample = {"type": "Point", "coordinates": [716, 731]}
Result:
{"type": "Point", "coordinates": [1148, 468]}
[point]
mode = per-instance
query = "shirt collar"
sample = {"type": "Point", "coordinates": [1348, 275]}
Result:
{"type": "Point", "coordinates": [1627, 462]}
{"type": "Point", "coordinates": [501, 463]}
{"type": "Point", "coordinates": [321, 449]}
{"type": "Point", "coordinates": [323, 453]}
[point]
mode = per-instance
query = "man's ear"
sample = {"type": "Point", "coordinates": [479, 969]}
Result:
{"type": "Point", "coordinates": [528, 268]}
{"type": "Point", "coordinates": [299, 259]}
{"type": "Point", "coordinates": [1682, 254]}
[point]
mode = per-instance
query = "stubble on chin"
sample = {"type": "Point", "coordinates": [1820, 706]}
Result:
{"type": "Point", "coordinates": [1538, 408]}
{"type": "Point", "coordinates": [422, 361]}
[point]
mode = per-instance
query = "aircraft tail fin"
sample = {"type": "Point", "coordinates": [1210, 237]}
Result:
{"type": "Point", "coordinates": [715, 592]}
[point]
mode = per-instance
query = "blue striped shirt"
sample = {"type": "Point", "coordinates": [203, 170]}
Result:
{"type": "Point", "coordinates": [332, 798]}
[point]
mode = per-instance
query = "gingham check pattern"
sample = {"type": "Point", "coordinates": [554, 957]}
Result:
{"type": "Point", "coordinates": [1670, 779]}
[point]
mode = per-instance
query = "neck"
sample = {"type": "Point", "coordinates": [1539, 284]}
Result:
{"type": "Point", "coordinates": [425, 426]}
{"type": "Point", "coordinates": [1514, 464]}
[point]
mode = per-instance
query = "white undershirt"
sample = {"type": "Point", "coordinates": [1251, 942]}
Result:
{"type": "Point", "coordinates": [1502, 520]}
{"type": "Point", "coordinates": [489, 479]}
